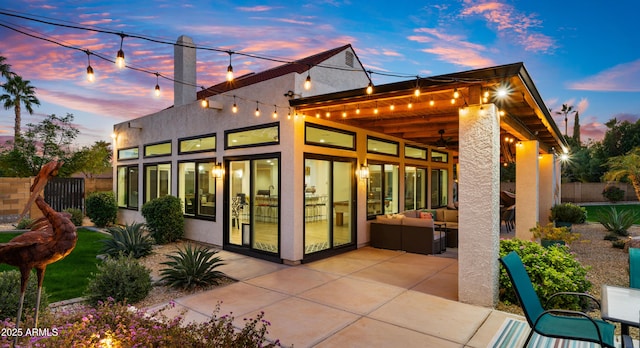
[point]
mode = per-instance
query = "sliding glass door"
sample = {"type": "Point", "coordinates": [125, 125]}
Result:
{"type": "Point", "coordinates": [329, 202]}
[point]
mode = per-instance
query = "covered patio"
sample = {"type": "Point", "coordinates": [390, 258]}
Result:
{"type": "Point", "coordinates": [487, 117]}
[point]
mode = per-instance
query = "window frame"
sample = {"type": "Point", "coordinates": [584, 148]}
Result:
{"type": "Point", "coordinates": [144, 149]}
{"type": "Point", "coordinates": [129, 158]}
{"type": "Point", "coordinates": [426, 152]}
{"type": "Point", "coordinates": [329, 129]}
{"type": "Point", "coordinates": [196, 137]}
{"type": "Point", "coordinates": [126, 188]}
{"type": "Point", "coordinates": [229, 132]}
{"type": "Point", "coordinates": [196, 215]}
{"type": "Point", "coordinates": [384, 185]}
{"type": "Point", "coordinates": [391, 142]}
{"type": "Point", "coordinates": [144, 179]}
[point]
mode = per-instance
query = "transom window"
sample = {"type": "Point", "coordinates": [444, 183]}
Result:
{"type": "Point", "coordinates": [330, 137]}
{"type": "Point", "coordinates": [159, 149]}
{"type": "Point", "coordinates": [415, 152]}
{"type": "Point", "coordinates": [253, 136]}
{"type": "Point", "coordinates": [437, 156]}
{"type": "Point", "coordinates": [387, 147]}
{"type": "Point", "coordinates": [197, 144]}
{"type": "Point", "coordinates": [130, 153]}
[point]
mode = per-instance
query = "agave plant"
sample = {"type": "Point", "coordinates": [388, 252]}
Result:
{"type": "Point", "coordinates": [128, 240]}
{"type": "Point", "coordinates": [617, 222]}
{"type": "Point", "coordinates": [192, 267]}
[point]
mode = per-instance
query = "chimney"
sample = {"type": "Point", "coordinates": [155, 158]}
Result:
{"type": "Point", "coordinates": [184, 71]}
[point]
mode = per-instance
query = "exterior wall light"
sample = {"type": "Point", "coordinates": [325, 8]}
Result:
{"type": "Point", "coordinates": [218, 171]}
{"type": "Point", "coordinates": [363, 172]}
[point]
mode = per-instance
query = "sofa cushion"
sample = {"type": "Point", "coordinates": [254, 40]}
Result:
{"type": "Point", "coordinates": [411, 213]}
{"type": "Point", "coordinates": [440, 214]}
{"type": "Point", "coordinates": [417, 222]}
{"type": "Point", "coordinates": [389, 221]}
{"type": "Point", "coordinates": [426, 215]}
{"type": "Point", "coordinates": [450, 215]}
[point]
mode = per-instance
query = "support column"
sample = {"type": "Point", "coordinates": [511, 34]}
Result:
{"type": "Point", "coordinates": [479, 204]}
{"type": "Point", "coordinates": [527, 188]}
{"type": "Point", "coordinates": [547, 186]}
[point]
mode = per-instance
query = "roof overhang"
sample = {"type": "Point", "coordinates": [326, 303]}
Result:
{"type": "Point", "coordinates": [394, 109]}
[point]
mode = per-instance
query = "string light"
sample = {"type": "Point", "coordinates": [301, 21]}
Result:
{"type": "Point", "coordinates": [307, 82]}
{"type": "Point", "coordinates": [234, 108]}
{"type": "Point", "coordinates": [120, 56]}
{"type": "Point", "coordinates": [485, 95]}
{"type": "Point", "coordinates": [432, 102]}
{"type": "Point", "coordinates": [230, 68]}
{"type": "Point", "coordinates": [375, 110]}
{"type": "Point", "coordinates": [417, 91]}
{"type": "Point", "coordinates": [392, 107]}
{"type": "Point", "coordinates": [456, 94]}
{"type": "Point", "coordinates": [90, 75]}
{"type": "Point", "coordinates": [410, 106]}
{"type": "Point", "coordinates": [257, 113]}
{"type": "Point", "coordinates": [344, 111]}
{"type": "Point", "coordinates": [358, 110]}
{"type": "Point", "coordinates": [370, 88]}
{"type": "Point", "coordinates": [157, 89]}
{"type": "Point", "coordinates": [328, 114]}
{"type": "Point", "coordinates": [275, 111]}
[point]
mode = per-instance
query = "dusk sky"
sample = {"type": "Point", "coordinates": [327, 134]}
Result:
{"type": "Point", "coordinates": [585, 54]}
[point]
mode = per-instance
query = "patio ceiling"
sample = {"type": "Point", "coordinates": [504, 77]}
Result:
{"type": "Point", "coordinates": [417, 119]}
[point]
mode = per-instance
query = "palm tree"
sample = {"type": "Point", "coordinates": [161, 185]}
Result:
{"type": "Point", "coordinates": [18, 92]}
{"type": "Point", "coordinates": [5, 69]}
{"type": "Point", "coordinates": [626, 166]}
{"type": "Point", "coordinates": [566, 110]}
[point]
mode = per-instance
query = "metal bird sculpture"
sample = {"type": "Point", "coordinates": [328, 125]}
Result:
{"type": "Point", "coordinates": [51, 238]}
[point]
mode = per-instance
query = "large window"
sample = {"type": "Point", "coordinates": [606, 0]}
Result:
{"type": "Point", "coordinates": [126, 154]}
{"type": "Point", "coordinates": [253, 136]}
{"type": "Point", "coordinates": [197, 188]}
{"type": "Point", "coordinates": [159, 149]}
{"type": "Point", "coordinates": [387, 147]}
{"type": "Point", "coordinates": [415, 152]}
{"type": "Point", "coordinates": [437, 156]}
{"type": "Point", "coordinates": [127, 187]}
{"type": "Point", "coordinates": [415, 186]}
{"type": "Point", "coordinates": [157, 179]}
{"type": "Point", "coordinates": [382, 189]}
{"type": "Point", "coordinates": [439, 188]}
{"type": "Point", "coordinates": [197, 144]}
{"type": "Point", "coordinates": [330, 137]}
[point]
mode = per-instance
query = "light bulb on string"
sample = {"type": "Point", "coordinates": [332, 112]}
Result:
{"type": "Point", "coordinates": [120, 56]}
{"type": "Point", "coordinates": [358, 110]}
{"type": "Point", "coordinates": [257, 113]}
{"type": "Point", "coordinates": [416, 92]}
{"type": "Point", "coordinates": [230, 68]}
{"type": "Point", "coordinates": [90, 75]}
{"type": "Point", "coordinates": [410, 105]}
{"type": "Point", "coordinates": [375, 110]}
{"type": "Point", "coordinates": [370, 88]}
{"type": "Point", "coordinates": [275, 111]}
{"type": "Point", "coordinates": [344, 112]}
{"type": "Point", "coordinates": [456, 94]}
{"type": "Point", "coordinates": [432, 102]}
{"type": "Point", "coordinates": [234, 108]}
{"type": "Point", "coordinates": [307, 82]}
{"type": "Point", "coordinates": [157, 89]}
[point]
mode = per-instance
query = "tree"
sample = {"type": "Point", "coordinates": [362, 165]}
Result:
{"type": "Point", "coordinates": [93, 160]}
{"type": "Point", "coordinates": [626, 166]}
{"type": "Point", "coordinates": [18, 92]}
{"type": "Point", "coordinates": [5, 69]}
{"type": "Point", "coordinates": [566, 110]}
{"type": "Point", "coordinates": [43, 142]}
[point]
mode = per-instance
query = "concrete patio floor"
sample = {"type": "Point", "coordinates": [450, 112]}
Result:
{"type": "Point", "coordinates": [364, 298]}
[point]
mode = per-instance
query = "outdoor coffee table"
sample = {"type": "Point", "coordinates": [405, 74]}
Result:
{"type": "Point", "coordinates": [621, 305]}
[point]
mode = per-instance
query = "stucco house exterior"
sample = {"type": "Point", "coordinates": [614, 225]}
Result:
{"type": "Point", "coordinates": [268, 168]}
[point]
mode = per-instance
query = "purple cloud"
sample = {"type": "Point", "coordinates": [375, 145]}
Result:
{"type": "Point", "coordinates": [620, 78]}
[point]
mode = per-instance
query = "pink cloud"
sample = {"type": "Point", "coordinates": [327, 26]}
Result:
{"type": "Point", "coordinates": [452, 48]}
{"type": "Point", "coordinates": [512, 24]}
{"type": "Point", "coordinates": [620, 78]}
{"type": "Point", "coordinates": [254, 9]}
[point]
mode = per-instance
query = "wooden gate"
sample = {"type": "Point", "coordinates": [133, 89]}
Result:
{"type": "Point", "coordinates": [63, 193]}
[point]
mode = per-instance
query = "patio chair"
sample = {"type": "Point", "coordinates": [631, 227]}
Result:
{"type": "Point", "coordinates": [634, 268]}
{"type": "Point", "coordinates": [556, 323]}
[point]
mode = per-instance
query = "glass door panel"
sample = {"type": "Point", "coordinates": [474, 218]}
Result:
{"type": "Point", "coordinates": [239, 188]}
{"type": "Point", "coordinates": [316, 196]}
{"type": "Point", "coordinates": [265, 217]}
{"type": "Point", "coordinates": [342, 201]}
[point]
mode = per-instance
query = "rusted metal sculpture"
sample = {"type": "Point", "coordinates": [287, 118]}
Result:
{"type": "Point", "coordinates": [51, 238]}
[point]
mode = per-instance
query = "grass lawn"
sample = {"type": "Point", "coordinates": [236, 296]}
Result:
{"type": "Point", "coordinates": [594, 210]}
{"type": "Point", "coordinates": [68, 277]}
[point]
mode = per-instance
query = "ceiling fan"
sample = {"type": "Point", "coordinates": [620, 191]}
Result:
{"type": "Point", "coordinates": [442, 142]}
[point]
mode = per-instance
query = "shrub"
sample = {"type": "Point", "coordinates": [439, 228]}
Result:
{"type": "Point", "coordinates": [128, 240]}
{"type": "Point", "coordinates": [24, 224]}
{"type": "Point", "coordinates": [76, 216]}
{"type": "Point", "coordinates": [619, 244]}
{"type": "Point", "coordinates": [192, 267]}
{"type": "Point", "coordinates": [164, 219]}
{"type": "Point", "coordinates": [10, 294]}
{"type": "Point", "coordinates": [118, 325]}
{"type": "Point", "coordinates": [568, 212]}
{"type": "Point", "coordinates": [102, 208]}
{"type": "Point", "coordinates": [550, 232]}
{"type": "Point", "coordinates": [551, 270]}
{"type": "Point", "coordinates": [617, 222]}
{"type": "Point", "coordinates": [123, 279]}
{"type": "Point", "coordinates": [613, 194]}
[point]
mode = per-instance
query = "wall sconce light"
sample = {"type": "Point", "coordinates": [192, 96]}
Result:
{"type": "Point", "coordinates": [218, 170]}
{"type": "Point", "coordinates": [363, 172]}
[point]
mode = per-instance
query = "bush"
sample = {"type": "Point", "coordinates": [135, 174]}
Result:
{"type": "Point", "coordinates": [123, 279]}
{"type": "Point", "coordinates": [550, 232]}
{"type": "Point", "coordinates": [10, 294]}
{"type": "Point", "coordinates": [568, 212]}
{"type": "Point", "coordinates": [128, 240]}
{"type": "Point", "coordinates": [551, 270]}
{"type": "Point", "coordinates": [102, 208]}
{"type": "Point", "coordinates": [192, 267]}
{"type": "Point", "coordinates": [613, 194]}
{"type": "Point", "coordinates": [24, 224]}
{"type": "Point", "coordinates": [117, 325]}
{"type": "Point", "coordinates": [616, 222]}
{"type": "Point", "coordinates": [165, 219]}
{"type": "Point", "coordinates": [76, 216]}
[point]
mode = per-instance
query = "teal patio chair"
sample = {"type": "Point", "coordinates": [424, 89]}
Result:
{"type": "Point", "coordinates": [556, 323]}
{"type": "Point", "coordinates": [634, 268]}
